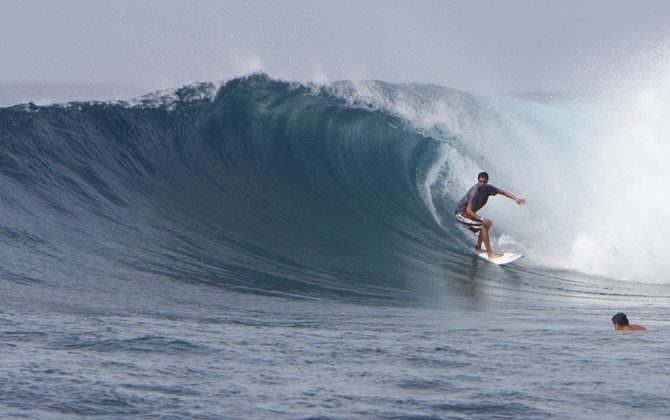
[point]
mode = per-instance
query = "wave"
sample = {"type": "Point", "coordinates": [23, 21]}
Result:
{"type": "Point", "coordinates": [266, 186]}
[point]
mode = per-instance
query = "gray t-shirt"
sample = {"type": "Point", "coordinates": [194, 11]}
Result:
{"type": "Point", "coordinates": [477, 198]}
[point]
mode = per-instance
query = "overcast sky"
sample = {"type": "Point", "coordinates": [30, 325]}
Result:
{"type": "Point", "coordinates": [476, 45]}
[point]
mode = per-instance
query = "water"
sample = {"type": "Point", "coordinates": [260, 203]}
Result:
{"type": "Point", "coordinates": [199, 352]}
{"type": "Point", "coordinates": [262, 249]}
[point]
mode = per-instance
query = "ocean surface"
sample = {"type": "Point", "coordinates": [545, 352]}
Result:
{"type": "Point", "coordinates": [258, 248]}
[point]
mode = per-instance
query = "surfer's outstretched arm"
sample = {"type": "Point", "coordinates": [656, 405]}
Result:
{"type": "Point", "coordinates": [519, 201]}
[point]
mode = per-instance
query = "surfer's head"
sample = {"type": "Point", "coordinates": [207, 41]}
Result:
{"type": "Point", "coordinates": [482, 179]}
{"type": "Point", "coordinates": [620, 319]}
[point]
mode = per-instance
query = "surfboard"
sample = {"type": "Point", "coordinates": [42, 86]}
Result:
{"type": "Point", "coordinates": [506, 258]}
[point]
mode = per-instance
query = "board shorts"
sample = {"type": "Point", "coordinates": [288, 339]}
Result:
{"type": "Point", "coordinates": [474, 225]}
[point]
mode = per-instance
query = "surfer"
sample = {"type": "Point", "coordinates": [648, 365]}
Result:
{"type": "Point", "coordinates": [620, 323]}
{"type": "Point", "coordinates": [475, 199]}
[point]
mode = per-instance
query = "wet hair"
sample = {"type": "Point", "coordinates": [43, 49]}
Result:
{"type": "Point", "coordinates": [482, 175]}
{"type": "Point", "coordinates": [620, 319]}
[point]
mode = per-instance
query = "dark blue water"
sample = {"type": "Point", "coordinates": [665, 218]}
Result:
{"type": "Point", "coordinates": [263, 249]}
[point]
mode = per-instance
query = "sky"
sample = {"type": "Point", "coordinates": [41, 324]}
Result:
{"type": "Point", "coordinates": [475, 45]}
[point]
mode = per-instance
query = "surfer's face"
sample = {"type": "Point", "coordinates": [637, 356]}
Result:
{"type": "Point", "coordinates": [482, 183]}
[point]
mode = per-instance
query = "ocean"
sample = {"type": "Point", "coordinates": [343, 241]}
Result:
{"type": "Point", "coordinates": [258, 248]}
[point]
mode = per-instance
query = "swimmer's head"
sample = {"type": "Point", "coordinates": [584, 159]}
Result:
{"type": "Point", "coordinates": [620, 319]}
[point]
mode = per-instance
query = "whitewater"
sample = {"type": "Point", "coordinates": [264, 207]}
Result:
{"type": "Point", "coordinates": [258, 248]}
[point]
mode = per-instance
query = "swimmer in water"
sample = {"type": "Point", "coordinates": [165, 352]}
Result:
{"type": "Point", "coordinates": [620, 322]}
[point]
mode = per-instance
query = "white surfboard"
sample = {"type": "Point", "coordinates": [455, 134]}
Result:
{"type": "Point", "coordinates": [506, 258]}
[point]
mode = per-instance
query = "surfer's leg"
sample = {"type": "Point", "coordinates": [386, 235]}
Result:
{"type": "Point", "coordinates": [478, 247]}
{"type": "Point", "coordinates": [485, 236]}
{"type": "Point", "coordinates": [474, 226]}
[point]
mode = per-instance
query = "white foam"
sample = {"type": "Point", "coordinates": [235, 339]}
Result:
{"type": "Point", "coordinates": [628, 220]}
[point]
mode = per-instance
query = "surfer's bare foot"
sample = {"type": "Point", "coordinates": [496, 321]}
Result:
{"type": "Point", "coordinates": [495, 255]}
{"type": "Point", "coordinates": [479, 251]}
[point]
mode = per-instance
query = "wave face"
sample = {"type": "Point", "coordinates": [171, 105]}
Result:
{"type": "Point", "coordinates": [260, 185]}
{"type": "Point", "coordinates": [265, 186]}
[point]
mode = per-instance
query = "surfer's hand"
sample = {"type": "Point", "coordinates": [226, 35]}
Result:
{"type": "Point", "coordinates": [520, 201]}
